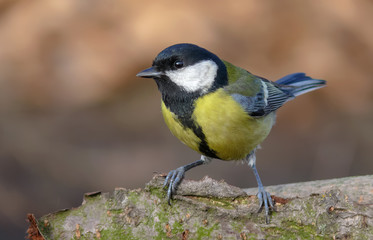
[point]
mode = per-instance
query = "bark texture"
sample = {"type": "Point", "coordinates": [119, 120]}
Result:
{"type": "Point", "coordinates": [210, 209]}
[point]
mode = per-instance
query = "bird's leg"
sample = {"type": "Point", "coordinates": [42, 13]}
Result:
{"type": "Point", "coordinates": [263, 196]}
{"type": "Point", "coordinates": [175, 177]}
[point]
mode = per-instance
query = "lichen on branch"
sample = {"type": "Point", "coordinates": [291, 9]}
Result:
{"type": "Point", "coordinates": [210, 209]}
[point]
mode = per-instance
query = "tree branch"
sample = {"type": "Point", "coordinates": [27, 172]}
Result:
{"type": "Point", "coordinates": [210, 209]}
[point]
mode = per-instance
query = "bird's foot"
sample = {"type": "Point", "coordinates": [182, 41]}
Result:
{"type": "Point", "coordinates": [172, 181]}
{"type": "Point", "coordinates": [265, 200]}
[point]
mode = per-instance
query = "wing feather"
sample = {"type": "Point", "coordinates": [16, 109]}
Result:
{"type": "Point", "coordinates": [267, 98]}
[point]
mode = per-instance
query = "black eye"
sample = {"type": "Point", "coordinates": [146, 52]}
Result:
{"type": "Point", "coordinates": [178, 64]}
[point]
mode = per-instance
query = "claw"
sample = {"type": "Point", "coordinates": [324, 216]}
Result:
{"type": "Point", "coordinates": [172, 181]}
{"type": "Point", "coordinates": [169, 196]}
{"type": "Point", "coordinates": [265, 201]}
{"type": "Point", "coordinates": [167, 178]}
{"type": "Point", "coordinates": [175, 177]}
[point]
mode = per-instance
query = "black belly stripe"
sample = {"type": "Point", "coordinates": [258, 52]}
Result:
{"type": "Point", "coordinates": [181, 103]}
{"type": "Point", "coordinates": [197, 130]}
{"type": "Point", "coordinates": [204, 147]}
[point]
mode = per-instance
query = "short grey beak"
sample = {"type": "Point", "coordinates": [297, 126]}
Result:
{"type": "Point", "coordinates": [148, 73]}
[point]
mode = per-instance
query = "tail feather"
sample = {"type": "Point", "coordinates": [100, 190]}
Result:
{"type": "Point", "coordinates": [298, 83]}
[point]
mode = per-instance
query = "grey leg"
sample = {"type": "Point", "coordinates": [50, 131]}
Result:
{"type": "Point", "coordinates": [263, 196]}
{"type": "Point", "coordinates": [175, 177]}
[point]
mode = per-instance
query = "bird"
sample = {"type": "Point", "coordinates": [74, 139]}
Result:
{"type": "Point", "coordinates": [218, 109]}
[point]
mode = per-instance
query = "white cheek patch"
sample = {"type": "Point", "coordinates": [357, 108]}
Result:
{"type": "Point", "coordinates": [199, 76]}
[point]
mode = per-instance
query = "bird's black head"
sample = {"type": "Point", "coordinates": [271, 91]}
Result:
{"type": "Point", "coordinates": [186, 70]}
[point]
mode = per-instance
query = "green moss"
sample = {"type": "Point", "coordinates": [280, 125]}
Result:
{"type": "Point", "coordinates": [309, 210]}
{"type": "Point", "coordinates": [148, 220]}
{"type": "Point", "coordinates": [45, 227]}
{"type": "Point", "coordinates": [226, 203]}
{"type": "Point", "coordinates": [177, 228]}
{"type": "Point", "coordinates": [158, 192]}
{"type": "Point", "coordinates": [134, 197]}
{"type": "Point", "coordinates": [54, 223]}
{"type": "Point", "coordinates": [293, 230]}
{"type": "Point", "coordinates": [117, 234]}
{"type": "Point", "coordinates": [116, 211]}
{"type": "Point", "coordinates": [205, 232]}
{"type": "Point", "coordinates": [160, 225]}
{"type": "Point", "coordinates": [243, 200]}
{"type": "Point", "coordinates": [237, 225]}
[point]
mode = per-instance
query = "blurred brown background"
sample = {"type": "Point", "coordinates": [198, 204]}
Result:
{"type": "Point", "coordinates": [74, 118]}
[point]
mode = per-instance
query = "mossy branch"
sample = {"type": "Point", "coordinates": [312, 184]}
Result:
{"type": "Point", "coordinates": [209, 209]}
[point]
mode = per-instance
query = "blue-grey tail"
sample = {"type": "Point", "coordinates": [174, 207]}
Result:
{"type": "Point", "coordinates": [298, 83]}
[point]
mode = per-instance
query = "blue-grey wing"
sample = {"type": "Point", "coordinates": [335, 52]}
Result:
{"type": "Point", "coordinates": [268, 99]}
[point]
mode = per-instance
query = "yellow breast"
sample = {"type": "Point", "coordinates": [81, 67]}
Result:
{"type": "Point", "coordinates": [184, 134]}
{"type": "Point", "coordinates": [228, 129]}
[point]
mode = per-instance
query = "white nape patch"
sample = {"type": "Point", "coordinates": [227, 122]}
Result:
{"type": "Point", "coordinates": [265, 90]}
{"type": "Point", "coordinates": [199, 76]}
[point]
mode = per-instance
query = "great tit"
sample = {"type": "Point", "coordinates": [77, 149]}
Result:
{"type": "Point", "coordinates": [219, 110]}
